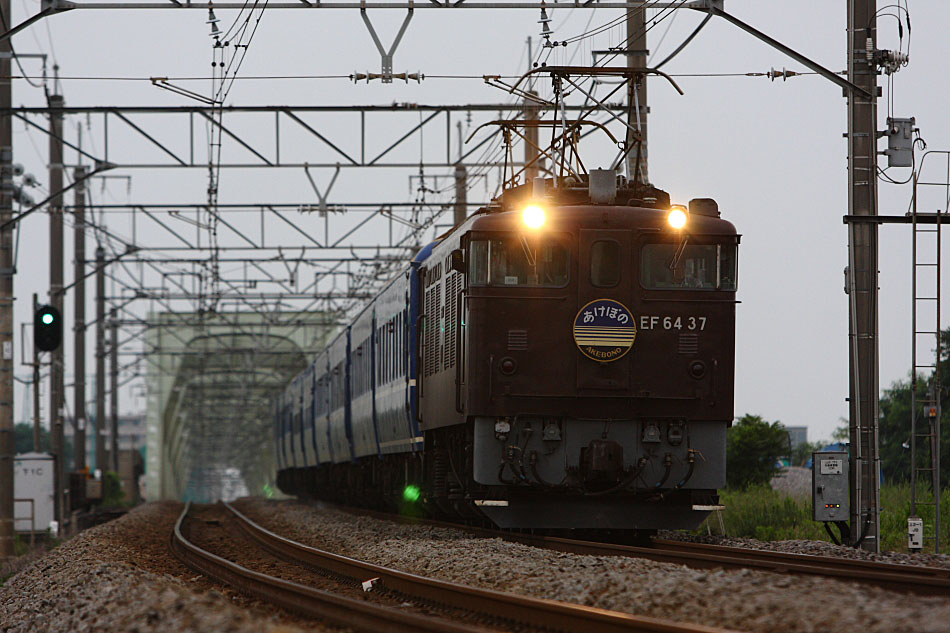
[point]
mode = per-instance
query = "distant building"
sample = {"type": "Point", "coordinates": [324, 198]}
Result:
{"type": "Point", "coordinates": [131, 435]}
{"type": "Point", "coordinates": [797, 435]}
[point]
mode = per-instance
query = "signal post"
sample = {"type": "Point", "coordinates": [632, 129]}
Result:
{"type": "Point", "coordinates": [56, 400]}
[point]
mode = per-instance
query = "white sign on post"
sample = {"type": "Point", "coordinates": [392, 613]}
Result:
{"type": "Point", "coordinates": [830, 466]}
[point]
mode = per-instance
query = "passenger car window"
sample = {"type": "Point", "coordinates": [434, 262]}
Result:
{"type": "Point", "coordinates": [513, 260]}
{"type": "Point", "coordinates": [700, 267]}
{"type": "Point", "coordinates": [605, 263]}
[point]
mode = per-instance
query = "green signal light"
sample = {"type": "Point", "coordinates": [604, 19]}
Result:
{"type": "Point", "coordinates": [411, 493]}
{"type": "Point", "coordinates": [47, 318]}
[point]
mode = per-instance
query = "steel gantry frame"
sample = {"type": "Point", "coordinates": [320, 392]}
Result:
{"type": "Point", "coordinates": [298, 121]}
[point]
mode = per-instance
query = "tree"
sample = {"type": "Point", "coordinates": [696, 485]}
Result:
{"type": "Point", "coordinates": [23, 441]}
{"type": "Point", "coordinates": [802, 453]}
{"type": "Point", "coordinates": [753, 448]}
{"type": "Point", "coordinates": [843, 432]}
{"type": "Point", "coordinates": [23, 438]}
{"type": "Point", "coordinates": [894, 423]}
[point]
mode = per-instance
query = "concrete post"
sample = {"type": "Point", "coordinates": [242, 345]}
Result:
{"type": "Point", "coordinates": [637, 58]}
{"type": "Point", "coordinates": [863, 275]}
{"type": "Point", "coordinates": [7, 446]}
{"type": "Point", "coordinates": [114, 396]}
{"type": "Point", "coordinates": [100, 359]}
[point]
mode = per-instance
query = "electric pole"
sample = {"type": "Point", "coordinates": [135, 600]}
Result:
{"type": "Point", "coordinates": [460, 211]}
{"type": "Point", "coordinates": [531, 110]}
{"type": "Point", "coordinates": [56, 401]}
{"type": "Point", "coordinates": [637, 94]}
{"type": "Point", "coordinates": [114, 394]}
{"type": "Point", "coordinates": [532, 168]}
{"type": "Point", "coordinates": [100, 429]}
{"type": "Point", "coordinates": [7, 446]}
{"type": "Point", "coordinates": [863, 273]}
{"type": "Point", "coordinates": [79, 320]}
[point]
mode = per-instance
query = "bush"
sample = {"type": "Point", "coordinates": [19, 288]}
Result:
{"type": "Point", "coordinates": [112, 489]}
{"type": "Point", "coordinates": [765, 514]}
{"type": "Point", "coordinates": [753, 448]}
{"type": "Point", "coordinates": [768, 515]}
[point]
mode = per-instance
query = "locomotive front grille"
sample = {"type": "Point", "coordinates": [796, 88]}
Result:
{"type": "Point", "coordinates": [517, 340]}
{"type": "Point", "coordinates": [689, 344]}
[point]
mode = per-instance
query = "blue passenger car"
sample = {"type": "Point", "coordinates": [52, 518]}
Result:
{"type": "Point", "coordinates": [321, 405]}
{"type": "Point", "coordinates": [362, 386]}
{"type": "Point", "coordinates": [341, 434]}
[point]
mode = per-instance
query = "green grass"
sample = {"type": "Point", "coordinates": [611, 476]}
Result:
{"type": "Point", "coordinates": [762, 513]}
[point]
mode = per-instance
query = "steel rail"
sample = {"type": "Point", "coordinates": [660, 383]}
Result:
{"type": "Point", "coordinates": [535, 612]}
{"type": "Point", "coordinates": [858, 566]}
{"type": "Point", "coordinates": [903, 578]}
{"type": "Point", "coordinates": [307, 601]}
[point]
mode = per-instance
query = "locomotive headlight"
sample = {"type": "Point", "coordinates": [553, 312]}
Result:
{"type": "Point", "coordinates": [677, 217]}
{"type": "Point", "coordinates": [533, 216]}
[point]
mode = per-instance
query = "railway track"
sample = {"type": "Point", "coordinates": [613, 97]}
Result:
{"type": "Point", "coordinates": [493, 606]}
{"type": "Point", "coordinates": [904, 578]}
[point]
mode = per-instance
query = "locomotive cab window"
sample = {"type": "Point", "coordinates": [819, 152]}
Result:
{"type": "Point", "coordinates": [696, 267]}
{"type": "Point", "coordinates": [513, 260]}
{"type": "Point", "coordinates": [605, 263]}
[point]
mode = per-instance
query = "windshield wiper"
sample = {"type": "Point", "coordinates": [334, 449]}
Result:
{"type": "Point", "coordinates": [678, 255]}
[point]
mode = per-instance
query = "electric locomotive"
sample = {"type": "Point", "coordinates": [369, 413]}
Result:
{"type": "Point", "coordinates": [563, 359]}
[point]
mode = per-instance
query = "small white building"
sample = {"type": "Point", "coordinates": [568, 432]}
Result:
{"type": "Point", "coordinates": [32, 479]}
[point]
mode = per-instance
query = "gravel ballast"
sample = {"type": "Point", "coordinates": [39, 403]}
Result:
{"type": "Point", "coordinates": [738, 599]}
{"type": "Point", "coordinates": [120, 577]}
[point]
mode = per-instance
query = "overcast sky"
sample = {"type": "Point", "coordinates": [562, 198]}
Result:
{"type": "Point", "coordinates": [771, 153]}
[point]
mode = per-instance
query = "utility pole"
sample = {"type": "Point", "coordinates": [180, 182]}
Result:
{"type": "Point", "coordinates": [531, 111]}
{"type": "Point", "coordinates": [114, 394]}
{"type": "Point", "coordinates": [637, 94]}
{"type": "Point", "coordinates": [79, 320]}
{"type": "Point", "coordinates": [36, 388]}
{"type": "Point", "coordinates": [531, 140]}
{"type": "Point", "coordinates": [100, 429]}
{"type": "Point", "coordinates": [7, 446]}
{"type": "Point", "coordinates": [862, 275]}
{"type": "Point", "coordinates": [461, 194]}
{"type": "Point", "coordinates": [56, 400]}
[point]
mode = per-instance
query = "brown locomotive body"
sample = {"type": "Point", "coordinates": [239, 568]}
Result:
{"type": "Point", "coordinates": [555, 432]}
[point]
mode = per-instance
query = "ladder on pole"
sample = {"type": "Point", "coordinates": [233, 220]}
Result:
{"type": "Point", "coordinates": [925, 407]}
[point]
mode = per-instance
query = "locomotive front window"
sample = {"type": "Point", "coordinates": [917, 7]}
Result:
{"type": "Point", "coordinates": [605, 263]}
{"type": "Point", "coordinates": [519, 260]}
{"type": "Point", "coordinates": [697, 267]}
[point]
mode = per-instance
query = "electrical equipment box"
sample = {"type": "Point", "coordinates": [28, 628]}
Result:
{"type": "Point", "coordinates": [900, 142]}
{"type": "Point", "coordinates": [915, 534]}
{"type": "Point", "coordinates": [829, 485]}
{"type": "Point", "coordinates": [32, 492]}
